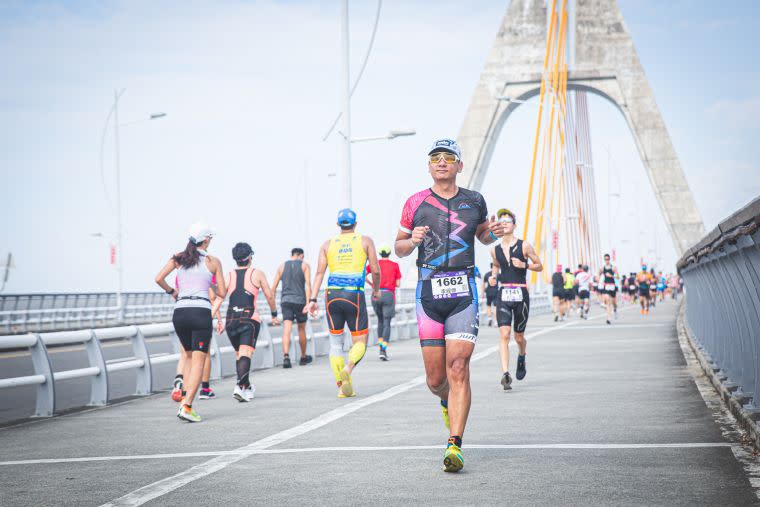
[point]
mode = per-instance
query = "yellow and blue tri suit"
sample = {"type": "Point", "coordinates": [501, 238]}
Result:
{"type": "Point", "coordinates": [347, 262]}
{"type": "Point", "coordinates": [345, 303]}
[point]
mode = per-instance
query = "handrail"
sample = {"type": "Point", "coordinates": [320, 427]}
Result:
{"type": "Point", "coordinates": [98, 370]}
{"type": "Point", "coordinates": [721, 276]}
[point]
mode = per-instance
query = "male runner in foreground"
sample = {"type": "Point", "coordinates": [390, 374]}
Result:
{"type": "Point", "coordinates": [441, 223]}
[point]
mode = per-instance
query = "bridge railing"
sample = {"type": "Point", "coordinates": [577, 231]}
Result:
{"type": "Point", "coordinates": [722, 280]}
{"type": "Point", "coordinates": [268, 352]}
{"type": "Point", "coordinates": [24, 313]}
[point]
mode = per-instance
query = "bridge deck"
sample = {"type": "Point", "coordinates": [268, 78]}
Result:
{"type": "Point", "coordinates": [606, 415]}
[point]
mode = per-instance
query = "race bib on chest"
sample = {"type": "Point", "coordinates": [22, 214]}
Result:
{"type": "Point", "coordinates": [511, 294]}
{"type": "Point", "coordinates": [609, 286]}
{"type": "Point", "coordinates": [450, 284]}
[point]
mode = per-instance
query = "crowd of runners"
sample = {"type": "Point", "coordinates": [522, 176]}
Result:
{"type": "Point", "coordinates": [439, 224]}
{"type": "Point", "coordinates": [573, 292]}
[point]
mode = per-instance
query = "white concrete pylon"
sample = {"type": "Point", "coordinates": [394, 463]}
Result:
{"type": "Point", "coordinates": [606, 64]}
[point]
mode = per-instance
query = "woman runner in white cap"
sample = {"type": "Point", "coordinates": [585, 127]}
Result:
{"type": "Point", "coordinates": [192, 313]}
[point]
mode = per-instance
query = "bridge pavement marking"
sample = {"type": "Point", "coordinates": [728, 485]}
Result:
{"type": "Point", "coordinates": [681, 445]}
{"type": "Point", "coordinates": [169, 484]}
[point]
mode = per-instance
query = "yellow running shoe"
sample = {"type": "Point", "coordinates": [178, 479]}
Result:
{"type": "Point", "coordinates": [346, 386]}
{"type": "Point", "coordinates": [445, 411]}
{"type": "Point", "coordinates": [341, 395]}
{"type": "Point", "coordinates": [452, 459]}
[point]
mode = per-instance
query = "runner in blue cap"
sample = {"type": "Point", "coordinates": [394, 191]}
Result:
{"type": "Point", "coordinates": [347, 255]}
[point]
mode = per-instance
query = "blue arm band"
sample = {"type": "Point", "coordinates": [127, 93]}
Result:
{"type": "Point", "coordinates": [490, 233]}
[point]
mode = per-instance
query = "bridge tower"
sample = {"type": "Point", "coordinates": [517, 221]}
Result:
{"type": "Point", "coordinates": [604, 62]}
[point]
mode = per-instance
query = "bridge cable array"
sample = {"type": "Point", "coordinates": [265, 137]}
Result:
{"type": "Point", "coordinates": [565, 183]}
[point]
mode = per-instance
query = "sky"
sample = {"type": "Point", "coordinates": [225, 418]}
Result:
{"type": "Point", "coordinates": [250, 87]}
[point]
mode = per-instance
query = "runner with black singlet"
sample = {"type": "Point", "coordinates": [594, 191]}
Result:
{"type": "Point", "coordinates": [441, 223]}
{"type": "Point", "coordinates": [192, 313]}
{"type": "Point", "coordinates": [243, 322]}
{"type": "Point", "coordinates": [607, 275]}
{"type": "Point", "coordinates": [491, 290]}
{"type": "Point", "coordinates": [633, 291]}
{"type": "Point", "coordinates": [510, 265]}
{"type": "Point", "coordinates": [558, 293]}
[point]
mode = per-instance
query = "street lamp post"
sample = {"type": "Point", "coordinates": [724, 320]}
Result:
{"type": "Point", "coordinates": [117, 161]}
{"type": "Point", "coordinates": [346, 117]}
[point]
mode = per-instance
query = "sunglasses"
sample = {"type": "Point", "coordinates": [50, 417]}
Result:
{"type": "Point", "coordinates": [450, 158]}
{"type": "Point", "coordinates": [506, 220]}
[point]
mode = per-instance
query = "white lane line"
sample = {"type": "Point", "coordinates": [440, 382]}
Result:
{"type": "Point", "coordinates": [681, 445]}
{"type": "Point", "coordinates": [169, 484]}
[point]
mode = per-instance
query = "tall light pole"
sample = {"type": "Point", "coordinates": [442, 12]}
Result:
{"type": "Point", "coordinates": [117, 161]}
{"type": "Point", "coordinates": [119, 250]}
{"type": "Point", "coordinates": [346, 117]}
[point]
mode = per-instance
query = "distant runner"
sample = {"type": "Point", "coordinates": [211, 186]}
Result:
{"type": "Point", "coordinates": [295, 275]}
{"type": "Point", "coordinates": [385, 305]}
{"type": "Point", "coordinates": [558, 293]}
{"type": "Point", "coordinates": [584, 281]}
{"type": "Point", "coordinates": [607, 275]}
{"type": "Point", "coordinates": [491, 290]}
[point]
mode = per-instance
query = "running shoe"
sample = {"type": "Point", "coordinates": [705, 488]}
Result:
{"type": "Point", "coordinates": [506, 381]}
{"type": "Point", "coordinates": [608, 321]}
{"type": "Point", "coordinates": [346, 386]}
{"type": "Point", "coordinates": [188, 414]}
{"type": "Point", "coordinates": [383, 355]}
{"type": "Point", "coordinates": [304, 360]}
{"type": "Point", "coordinates": [445, 411]}
{"type": "Point", "coordinates": [341, 395]}
{"type": "Point", "coordinates": [177, 394]}
{"type": "Point", "coordinates": [286, 362]}
{"type": "Point", "coordinates": [207, 394]}
{"type": "Point", "coordinates": [452, 459]}
{"type": "Point", "coordinates": [556, 317]}
{"type": "Point", "coordinates": [250, 392]}
{"type": "Point", "coordinates": [521, 371]}
{"type": "Point", "coordinates": [239, 394]}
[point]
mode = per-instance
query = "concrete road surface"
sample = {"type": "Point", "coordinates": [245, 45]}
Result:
{"type": "Point", "coordinates": [607, 415]}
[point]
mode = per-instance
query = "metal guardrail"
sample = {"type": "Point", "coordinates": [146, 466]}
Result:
{"type": "Point", "coordinates": [35, 313]}
{"type": "Point", "coordinates": [268, 352]}
{"type": "Point", "coordinates": [722, 280]}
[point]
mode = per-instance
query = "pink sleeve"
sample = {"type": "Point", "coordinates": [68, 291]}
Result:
{"type": "Point", "coordinates": [407, 214]}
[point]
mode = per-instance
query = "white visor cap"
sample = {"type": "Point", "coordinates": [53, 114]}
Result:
{"type": "Point", "coordinates": [199, 232]}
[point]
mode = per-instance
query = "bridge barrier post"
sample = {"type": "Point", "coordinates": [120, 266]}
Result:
{"type": "Point", "coordinates": [45, 404]}
{"type": "Point", "coordinates": [145, 372]}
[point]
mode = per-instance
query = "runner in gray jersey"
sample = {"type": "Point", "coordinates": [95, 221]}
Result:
{"type": "Point", "coordinates": [295, 275]}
